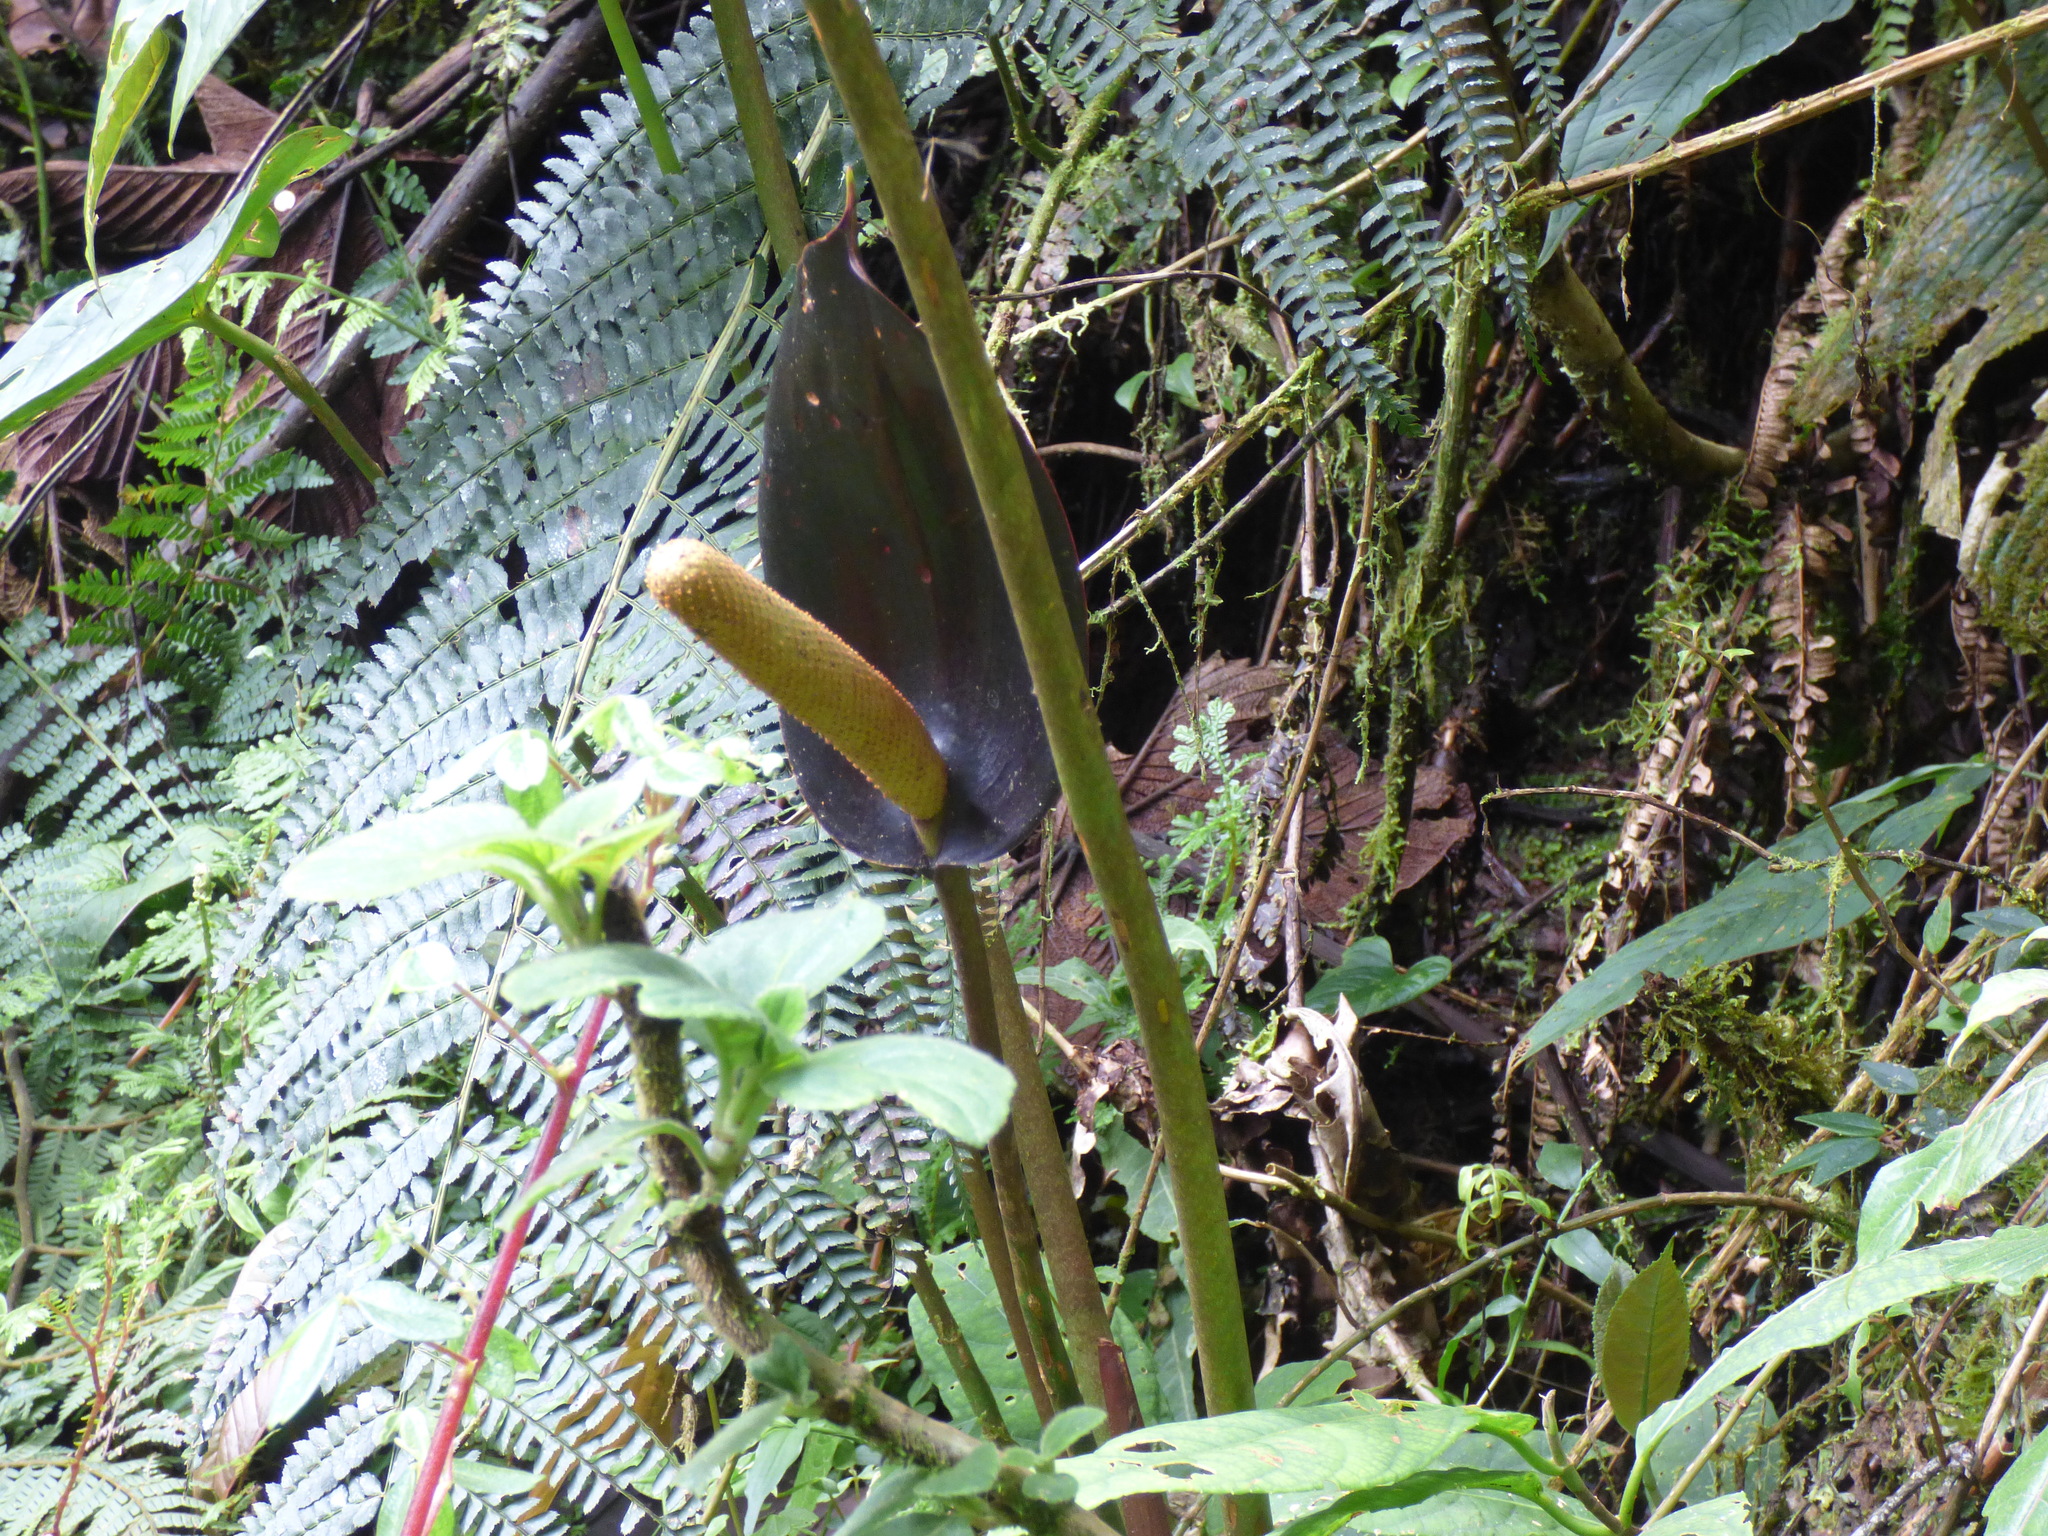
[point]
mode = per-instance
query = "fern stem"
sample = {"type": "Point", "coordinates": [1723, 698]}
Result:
{"type": "Point", "coordinates": [287, 373]}
{"type": "Point", "coordinates": [641, 89]}
{"type": "Point", "coordinates": [1061, 683]}
{"type": "Point", "coordinates": [774, 186]}
{"type": "Point", "coordinates": [428, 1491]}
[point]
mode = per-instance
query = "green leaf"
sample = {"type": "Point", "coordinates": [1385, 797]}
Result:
{"type": "Point", "coordinates": [1367, 975]}
{"type": "Point", "coordinates": [405, 1314]}
{"type": "Point", "coordinates": [1935, 934]}
{"type": "Point", "coordinates": [1067, 1427]}
{"type": "Point", "coordinates": [1409, 1491]}
{"type": "Point", "coordinates": [95, 327]}
{"type": "Point", "coordinates": [2018, 1505]}
{"type": "Point", "coordinates": [1727, 1516]}
{"type": "Point", "coordinates": [1560, 1163]}
{"type": "Point", "coordinates": [961, 1091]}
{"type": "Point", "coordinates": [1696, 52]}
{"type": "Point", "coordinates": [1892, 1078]}
{"type": "Point", "coordinates": [1647, 1341]}
{"type": "Point", "coordinates": [602, 1148]}
{"type": "Point", "coordinates": [1585, 1253]}
{"type": "Point", "coordinates": [1279, 1381]}
{"type": "Point", "coordinates": [1844, 1125]}
{"type": "Point", "coordinates": [1759, 912]}
{"type": "Point", "coordinates": [303, 1360]}
{"type": "Point", "coordinates": [507, 1361]}
{"type": "Point", "coordinates": [970, 1293]}
{"type": "Point", "coordinates": [136, 52]}
{"type": "Point", "coordinates": [2006, 994]}
{"type": "Point", "coordinates": [669, 988]}
{"type": "Point", "coordinates": [1127, 1160]}
{"type": "Point", "coordinates": [973, 1474]}
{"type": "Point", "coordinates": [2007, 1259]}
{"type": "Point", "coordinates": [210, 25]}
{"type": "Point", "coordinates": [1127, 392]}
{"type": "Point", "coordinates": [1951, 1168]}
{"type": "Point", "coordinates": [1750, 1461]}
{"type": "Point", "coordinates": [809, 949]}
{"type": "Point", "coordinates": [490, 1477]}
{"type": "Point", "coordinates": [1826, 1161]}
{"type": "Point", "coordinates": [404, 851]}
{"type": "Point", "coordinates": [397, 1500]}
{"type": "Point", "coordinates": [1358, 1443]}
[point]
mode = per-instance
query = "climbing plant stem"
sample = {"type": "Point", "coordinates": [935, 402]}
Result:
{"type": "Point", "coordinates": [641, 89]}
{"type": "Point", "coordinates": [774, 186]}
{"type": "Point", "coordinates": [1061, 683]}
{"type": "Point", "coordinates": [288, 374]}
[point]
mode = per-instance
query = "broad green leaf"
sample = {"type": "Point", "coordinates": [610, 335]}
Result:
{"type": "Point", "coordinates": [2018, 1505]}
{"type": "Point", "coordinates": [1414, 1490]}
{"type": "Point", "coordinates": [602, 1148]}
{"type": "Point", "coordinates": [2007, 1259]}
{"type": "Point", "coordinates": [1561, 1163]}
{"type": "Point", "coordinates": [1278, 1382]}
{"type": "Point", "coordinates": [1951, 1168]}
{"type": "Point", "coordinates": [210, 25]}
{"type": "Point", "coordinates": [974, 1474]}
{"type": "Point", "coordinates": [404, 1313]}
{"type": "Point", "coordinates": [1646, 1344]}
{"type": "Point", "coordinates": [490, 1477]}
{"type": "Point", "coordinates": [1892, 1078]}
{"type": "Point", "coordinates": [2006, 994]}
{"type": "Point", "coordinates": [772, 1459]}
{"type": "Point", "coordinates": [1826, 1161]}
{"type": "Point", "coordinates": [403, 851]}
{"type": "Point", "coordinates": [1759, 912]}
{"type": "Point", "coordinates": [397, 1501]}
{"type": "Point", "coordinates": [96, 327]}
{"type": "Point", "coordinates": [1185, 936]}
{"type": "Point", "coordinates": [970, 1293]}
{"type": "Point", "coordinates": [1940, 921]}
{"type": "Point", "coordinates": [809, 949]}
{"type": "Point", "coordinates": [1367, 975]}
{"type": "Point", "coordinates": [1127, 1160]}
{"type": "Point", "coordinates": [1727, 1516]}
{"type": "Point", "coordinates": [1357, 1443]}
{"type": "Point", "coordinates": [136, 51]}
{"type": "Point", "coordinates": [1585, 1253]}
{"type": "Point", "coordinates": [961, 1091]}
{"type": "Point", "coordinates": [669, 988]}
{"type": "Point", "coordinates": [1696, 52]}
{"type": "Point", "coordinates": [1750, 1461]}
{"type": "Point", "coordinates": [1067, 1427]}
{"type": "Point", "coordinates": [303, 1361]}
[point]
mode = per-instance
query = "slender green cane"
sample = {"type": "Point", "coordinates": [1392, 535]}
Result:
{"type": "Point", "coordinates": [1061, 683]}
{"type": "Point", "coordinates": [641, 89]}
{"type": "Point", "coordinates": [774, 186]}
{"type": "Point", "coordinates": [288, 374]}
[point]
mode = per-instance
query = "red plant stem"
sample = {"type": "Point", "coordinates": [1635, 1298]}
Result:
{"type": "Point", "coordinates": [428, 1492]}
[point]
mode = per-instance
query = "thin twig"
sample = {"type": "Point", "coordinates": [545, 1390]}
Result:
{"type": "Point", "coordinates": [1669, 806]}
{"type": "Point", "coordinates": [2008, 1384]}
{"type": "Point", "coordinates": [1720, 1437]}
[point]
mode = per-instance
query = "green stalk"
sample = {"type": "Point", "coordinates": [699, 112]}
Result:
{"type": "Point", "coordinates": [36, 149]}
{"type": "Point", "coordinates": [774, 186]}
{"type": "Point", "coordinates": [1061, 683]}
{"type": "Point", "coordinates": [1013, 1195]}
{"type": "Point", "coordinates": [980, 1396]}
{"type": "Point", "coordinates": [995, 1243]}
{"type": "Point", "coordinates": [288, 374]}
{"type": "Point", "coordinates": [641, 89]}
{"type": "Point", "coordinates": [1037, 1134]}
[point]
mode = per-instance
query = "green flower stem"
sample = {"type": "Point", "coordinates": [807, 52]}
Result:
{"type": "Point", "coordinates": [980, 1396]}
{"type": "Point", "coordinates": [1013, 1192]}
{"type": "Point", "coordinates": [641, 89]}
{"type": "Point", "coordinates": [1037, 1134]}
{"type": "Point", "coordinates": [288, 374]}
{"type": "Point", "coordinates": [1061, 683]}
{"type": "Point", "coordinates": [995, 1243]}
{"type": "Point", "coordinates": [774, 186]}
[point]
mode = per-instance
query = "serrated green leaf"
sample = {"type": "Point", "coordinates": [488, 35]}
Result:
{"type": "Point", "coordinates": [1646, 1343]}
{"type": "Point", "coordinates": [963, 1092]}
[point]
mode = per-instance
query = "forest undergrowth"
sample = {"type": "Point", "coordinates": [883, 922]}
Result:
{"type": "Point", "coordinates": [1558, 505]}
